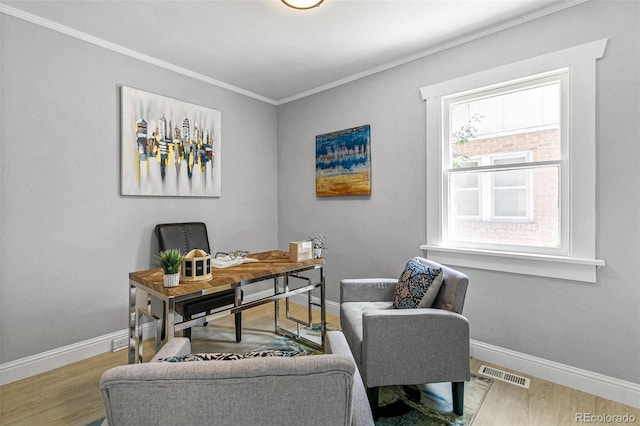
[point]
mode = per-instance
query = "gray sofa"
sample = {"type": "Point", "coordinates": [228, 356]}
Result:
{"type": "Point", "coordinates": [303, 390]}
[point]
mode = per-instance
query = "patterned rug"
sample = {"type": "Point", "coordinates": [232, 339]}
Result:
{"type": "Point", "coordinates": [434, 406]}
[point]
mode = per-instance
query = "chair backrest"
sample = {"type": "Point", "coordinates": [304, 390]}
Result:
{"type": "Point", "coordinates": [453, 289]}
{"type": "Point", "coordinates": [183, 236]}
{"type": "Point", "coordinates": [231, 392]}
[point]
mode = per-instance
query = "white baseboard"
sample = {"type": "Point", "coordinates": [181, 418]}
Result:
{"type": "Point", "coordinates": [59, 357]}
{"type": "Point", "coordinates": [562, 374]}
{"type": "Point", "coordinates": [39, 363]}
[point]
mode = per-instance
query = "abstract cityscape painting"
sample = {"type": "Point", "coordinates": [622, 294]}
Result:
{"type": "Point", "coordinates": [169, 147]}
{"type": "Point", "coordinates": [343, 162]}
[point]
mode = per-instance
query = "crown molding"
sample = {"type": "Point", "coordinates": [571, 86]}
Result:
{"type": "Point", "coordinates": [34, 19]}
{"type": "Point", "coordinates": [17, 13]}
{"type": "Point", "coordinates": [439, 48]}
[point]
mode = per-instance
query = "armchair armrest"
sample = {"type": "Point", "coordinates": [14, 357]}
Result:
{"type": "Point", "coordinates": [367, 289]}
{"type": "Point", "coordinates": [434, 343]}
{"type": "Point", "coordinates": [174, 347]}
{"type": "Point", "coordinates": [336, 343]}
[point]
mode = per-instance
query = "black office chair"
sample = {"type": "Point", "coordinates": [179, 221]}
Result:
{"type": "Point", "coordinates": [186, 237]}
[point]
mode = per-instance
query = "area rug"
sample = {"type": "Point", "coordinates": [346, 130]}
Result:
{"type": "Point", "coordinates": [287, 343]}
{"type": "Point", "coordinates": [434, 406]}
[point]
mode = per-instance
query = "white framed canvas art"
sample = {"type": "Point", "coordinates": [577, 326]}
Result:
{"type": "Point", "coordinates": [169, 147]}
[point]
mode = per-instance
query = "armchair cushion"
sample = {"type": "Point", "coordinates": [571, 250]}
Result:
{"type": "Point", "coordinates": [418, 285]}
{"type": "Point", "coordinates": [351, 323]}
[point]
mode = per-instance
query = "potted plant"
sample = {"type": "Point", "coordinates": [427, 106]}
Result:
{"type": "Point", "coordinates": [170, 261]}
{"type": "Point", "coordinates": [318, 242]}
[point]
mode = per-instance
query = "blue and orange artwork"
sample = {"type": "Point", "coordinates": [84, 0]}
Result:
{"type": "Point", "coordinates": [343, 162]}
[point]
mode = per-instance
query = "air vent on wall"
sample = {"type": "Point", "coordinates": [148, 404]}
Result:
{"type": "Point", "coordinates": [503, 376]}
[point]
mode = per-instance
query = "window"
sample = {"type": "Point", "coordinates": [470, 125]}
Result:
{"type": "Point", "coordinates": [502, 162]}
{"type": "Point", "coordinates": [511, 167]}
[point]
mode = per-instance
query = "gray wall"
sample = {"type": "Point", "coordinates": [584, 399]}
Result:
{"type": "Point", "coordinates": [590, 326]}
{"type": "Point", "coordinates": [69, 239]}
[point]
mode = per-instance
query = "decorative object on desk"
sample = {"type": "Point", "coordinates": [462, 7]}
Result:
{"type": "Point", "coordinates": [196, 266]}
{"type": "Point", "coordinates": [233, 258]}
{"type": "Point", "coordinates": [300, 250]}
{"type": "Point", "coordinates": [225, 262]}
{"type": "Point", "coordinates": [343, 162]}
{"type": "Point", "coordinates": [170, 261]}
{"type": "Point", "coordinates": [169, 147]}
{"type": "Point", "coordinates": [238, 254]}
{"type": "Point", "coordinates": [318, 242]}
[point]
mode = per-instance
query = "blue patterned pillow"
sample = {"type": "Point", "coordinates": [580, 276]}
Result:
{"type": "Point", "coordinates": [224, 356]}
{"type": "Point", "coordinates": [418, 285]}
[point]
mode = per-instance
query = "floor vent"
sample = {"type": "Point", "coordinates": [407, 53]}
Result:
{"type": "Point", "coordinates": [503, 376]}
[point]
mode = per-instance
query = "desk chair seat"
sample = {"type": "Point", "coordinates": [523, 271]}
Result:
{"type": "Point", "coordinates": [186, 237]}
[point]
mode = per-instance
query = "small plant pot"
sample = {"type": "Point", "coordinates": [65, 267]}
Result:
{"type": "Point", "coordinates": [317, 253]}
{"type": "Point", "coordinates": [171, 280]}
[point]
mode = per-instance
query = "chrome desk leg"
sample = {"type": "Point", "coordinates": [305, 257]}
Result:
{"type": "Point", "coordinates": [160, 328]}
{"type": "Point", "coordinates": [139, 307]}
{"type": "Point", "coordinates": [132, 324]}
{"type": "Point", "coordinates": [238, 316]}
{"type": "Point", "coordinates": [323, 308]}
{"type": "Point", "coordinates": [170, 322]}
{"type": "Point", "coordinates": [276, 306]}
{"type": "Point", "coordinates": [140, 341]}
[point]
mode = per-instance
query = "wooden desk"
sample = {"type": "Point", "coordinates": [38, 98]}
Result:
{"type": "Point", "coordinates": [149, 297]}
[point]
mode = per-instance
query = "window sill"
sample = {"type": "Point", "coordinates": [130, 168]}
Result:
{"type": "Point", "coordinates": [567, 268]}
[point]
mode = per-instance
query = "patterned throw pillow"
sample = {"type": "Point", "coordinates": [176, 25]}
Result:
{"type": "Point", "coordinates": [224, 356]}
{"type": "Point", "coordinates": [418, 285]}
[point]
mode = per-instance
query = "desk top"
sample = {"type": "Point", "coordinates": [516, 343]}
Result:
{"type": "Point", "coordinates": [271, 264]}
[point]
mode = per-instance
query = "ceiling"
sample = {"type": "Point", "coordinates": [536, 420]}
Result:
{"type": "Point", "coordinates": [274, 53]}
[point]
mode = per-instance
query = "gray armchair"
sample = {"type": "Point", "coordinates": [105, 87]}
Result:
{"type": "Point", "coordinates": [407, 346]}
{"type": "Point", "coordinates": [302, 390]}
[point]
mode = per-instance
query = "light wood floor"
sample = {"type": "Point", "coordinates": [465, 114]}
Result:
{"type": "Point", "coordinates": [69, 395]}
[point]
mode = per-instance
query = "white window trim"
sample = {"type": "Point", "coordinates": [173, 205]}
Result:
{"type": "Point", "coordinates": [580, 263]}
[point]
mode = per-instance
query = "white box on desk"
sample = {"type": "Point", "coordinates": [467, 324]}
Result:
{"type": "Point", "coordinates": [300, 250]}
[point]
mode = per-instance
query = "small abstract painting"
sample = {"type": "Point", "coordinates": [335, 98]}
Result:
{"type": "Point", "coordinates": [169, 147]}
{"type": "Point", "coordinates": [343, 162]}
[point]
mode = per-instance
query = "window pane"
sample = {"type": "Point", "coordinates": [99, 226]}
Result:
{"type": "Point", "coordinates": [465, 180]}
{"type": "Point", "coordinates": [466, 203]}
{"type": "Point", "coordinates": [522, 215]}
{"type": "Point", "coordinates": [509, 178]}
{"type": "Point", "coordinates": [510, 203]}
{"type": "Point", "coordinates": [509, 122]}
{"type": "Point", "coordinates": [465, 194]}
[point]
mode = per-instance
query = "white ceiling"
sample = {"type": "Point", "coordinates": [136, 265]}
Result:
{"type": "Point", "coordinates": [271, 52]}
